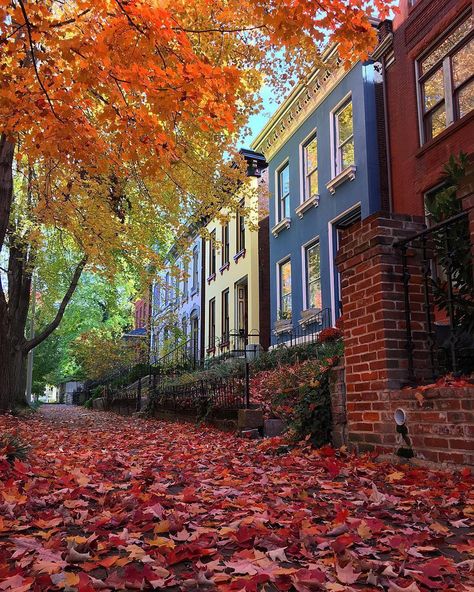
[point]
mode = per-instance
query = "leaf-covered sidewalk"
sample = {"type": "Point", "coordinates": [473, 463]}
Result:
{"type": "Point", "coordinates": [112, 503]}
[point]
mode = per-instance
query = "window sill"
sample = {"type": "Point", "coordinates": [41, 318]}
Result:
{"type": "Point", "coordinates": [451, 129]}
{"type": "Point", "coordinates": [348, 174]}
{"type": "Point", "coordinates": [284, 224]}
{"type": "Point", "coordinates": [210, 350]}
{"type": "Point", "coordinates": [224, 267]}
{"type": "Point", "coordinates": [211, 278]}
{"type": "Point", "coordinates": [282, 326]}
{"type": "Point", "coordinates": [309, 316]}
{"type": "Point", "coordinates": [239, 255]}
{"type": "Point", "coordinates": [194, 291]}
{"type": "Point", "coordinates": [306, 205]}
{"type": "Point", "coordinates": [224, 344]}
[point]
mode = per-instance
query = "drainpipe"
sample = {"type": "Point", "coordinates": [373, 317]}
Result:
{"type": "Point", "coordinates": [387, 135]}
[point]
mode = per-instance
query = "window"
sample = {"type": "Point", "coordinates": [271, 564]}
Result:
{"type": "Point", "coordinates": [344, 135]}
{"type": "Point", "coordinates": [167, 288]}
{"type": "Point", "coordinates": [195, 268]}
{"type": "Point", "coordinates": [184, 326]}
{"type": "Point", "coordinates": [313, 276]}
{"type": "Point", "coordinates": [225, 244]}
{"type": "Point", "coordinates": [212, 254]}
{"type": "Point", "coordinates": [310, 164]}
{"type": "Point", "coordinates": [240, 230]}
{"type": "Point", "coordinates": [212, 323]}
{"type": "Point", "coordinates": [284, 192]}
{"type": "Point", "coordinates": [446, 80]}
{"type": "Point", "coordinates": [225, 316]}
{"type": "Point", "coordinates": [185, 278]}
{"type": "Point", "coordinates": [285, 289]}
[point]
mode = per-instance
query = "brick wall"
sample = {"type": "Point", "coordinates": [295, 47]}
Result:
{"type": "Point", "coordinates": [338, 407]}
{"type": "Point", "coordinates": [415, 169]}
{"type": "Point", "coordinates": [440, 424]}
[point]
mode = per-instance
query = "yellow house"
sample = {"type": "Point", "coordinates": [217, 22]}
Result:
{"type": "Point", "coordinates": [237, 271]}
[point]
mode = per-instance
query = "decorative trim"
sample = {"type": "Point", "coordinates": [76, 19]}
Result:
{"type": "Point", "coordinates": [348, 174]}
{"type": "Point", "coordinates": [306, 205]}
{"type": "Point", "coordinates": [211, 278]}
{"type": "Point", "coordinates": [282, 326]}
{"type": "Point", "coordinates": [240, 254]}
{"type": "Point", "coordinates": [301, 102]}
{"type": "Point", "coordinates": [224, 267]}
{"type": "Point", "coordinates": [381, 48]}
{"type": "Point", "coordinates": [285, 223]}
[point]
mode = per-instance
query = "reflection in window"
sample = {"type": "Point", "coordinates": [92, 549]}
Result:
{"type": "Point", "coordinates": [285, 289]}
{"type": "Point", "coordinates": [284, 193]}
{"type": "Point", "coordinates": [310, 159]}
{"type": "Point", "coordinates": [313, 277]}
{"type": "Point", "coordinates": [344, 133]}
{"type": "Point", "coordinates": [446, 78]}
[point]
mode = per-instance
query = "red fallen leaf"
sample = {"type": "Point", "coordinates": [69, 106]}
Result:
{"type": "Point", "coordinates": [435, 567]}
{"type": "Point", "coordinates": [310, 577]}
{"type": "Point", "coordinates": [343, 542]}
{"type": "Point", "coordinates": [346, 574]}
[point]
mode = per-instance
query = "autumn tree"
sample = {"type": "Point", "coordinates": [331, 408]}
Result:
{"type": "Point", "coordinates": [115, 116]}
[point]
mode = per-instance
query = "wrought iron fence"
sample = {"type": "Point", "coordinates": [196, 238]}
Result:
{"type": "Point", "coordinates": [200, 396]}
{"type": "Point", "coordinates": [306, 332]}
{"type": "Point", "coordinates": [447, 294]}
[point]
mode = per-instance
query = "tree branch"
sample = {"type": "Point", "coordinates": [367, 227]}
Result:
{"type": "Point", "coordinates": [33, 58]}
{"type": "Point", "coordinates": [32, 343]}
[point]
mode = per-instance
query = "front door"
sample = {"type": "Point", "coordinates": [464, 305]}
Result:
{"type": "Point", "coordinates": [242, 313]}
{"type": "Point", "coordinates": [194, 337]}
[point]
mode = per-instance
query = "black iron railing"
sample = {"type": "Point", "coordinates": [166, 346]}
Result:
{"type": "Point", "coordinates": [443, 256]}
{"type": "Point", "coordinates": [306, 332]}
{"type": "Point", "coordinates": [200, 396]}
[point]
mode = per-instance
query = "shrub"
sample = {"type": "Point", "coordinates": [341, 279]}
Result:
{"type": "Point", "coordinates": [330, 334]}
{"type": "Point", "coordinates": [299, 395]}
{"type": "Point", "coordinates": [13, 447]}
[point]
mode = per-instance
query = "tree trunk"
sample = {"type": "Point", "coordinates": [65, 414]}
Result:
{"type": "Point", "coordinates": [12, 372]}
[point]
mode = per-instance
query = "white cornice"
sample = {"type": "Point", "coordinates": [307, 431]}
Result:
{"type": "Point", "coordinates": [302, 101]}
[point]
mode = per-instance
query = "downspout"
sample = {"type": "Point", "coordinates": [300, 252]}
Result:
{"type": "Point", "coordinates": [202, 330]}
{"type": "Point", "coordinates": [387, 135]}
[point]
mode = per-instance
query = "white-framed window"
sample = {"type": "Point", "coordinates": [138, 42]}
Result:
{"type": "Point", "coordinates": [195, 280]}
{"type": "Point", "coordinates": [284, 289]}
{"type": "Point", "coordinates": [344, 137]}
{"type": "Point", "coordinates": [283, 192]}
{"type": "Point", "coordinates": [212, 323]}
{"type": "Point", "coordinates": [310, 167]}
{"type": "Point", "coordinates": [225, 320]}
{"type": "Point", "coordinates": [185, 268]}
{"type": "Point", "coordinates": [446, 79]}
{"type": "Point", "coordinates": [312, 257]}
{"type": "Point", "coordinates": [167, 288]}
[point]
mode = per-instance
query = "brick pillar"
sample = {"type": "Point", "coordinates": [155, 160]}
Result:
{"type": "Point", "coordinates": [465, 192]}
{"type": "Point", "coordinates": [372, 293]}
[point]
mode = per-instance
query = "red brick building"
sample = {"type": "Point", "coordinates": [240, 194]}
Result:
{"type": "Point", "coordinates": [393, 330]}
{"type": "Point", "coordinates": [428, 60]}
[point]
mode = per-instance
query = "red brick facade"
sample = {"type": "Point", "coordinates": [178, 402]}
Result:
{"type": "Point", "coordinates": [416, 168]}
{"type": "Point", "coordinates": [375, 353]}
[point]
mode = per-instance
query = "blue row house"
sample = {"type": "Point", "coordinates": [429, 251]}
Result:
{"type": "Point", "coordinates": [322, 150]}
{"type": "Point", "coordinates": [178, 293]}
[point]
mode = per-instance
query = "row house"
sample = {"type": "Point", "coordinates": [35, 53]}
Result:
{"type": "Point", "coordinates": [177, 301]}
{"type": "Point", "coordinates": [324, 174]}
{"type": "Point", "coordinates": [212, 294]}
{"type": "Point", "coordinates": [236, 268]}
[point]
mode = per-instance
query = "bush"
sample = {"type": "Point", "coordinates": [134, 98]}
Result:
{"type": "Point", "coordinates": [329, 335]}
{"type": "Point", "coordinates": [299, 395]}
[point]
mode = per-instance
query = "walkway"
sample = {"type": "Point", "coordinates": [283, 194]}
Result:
{"type": "Point", "coordinates": [114, 503]}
